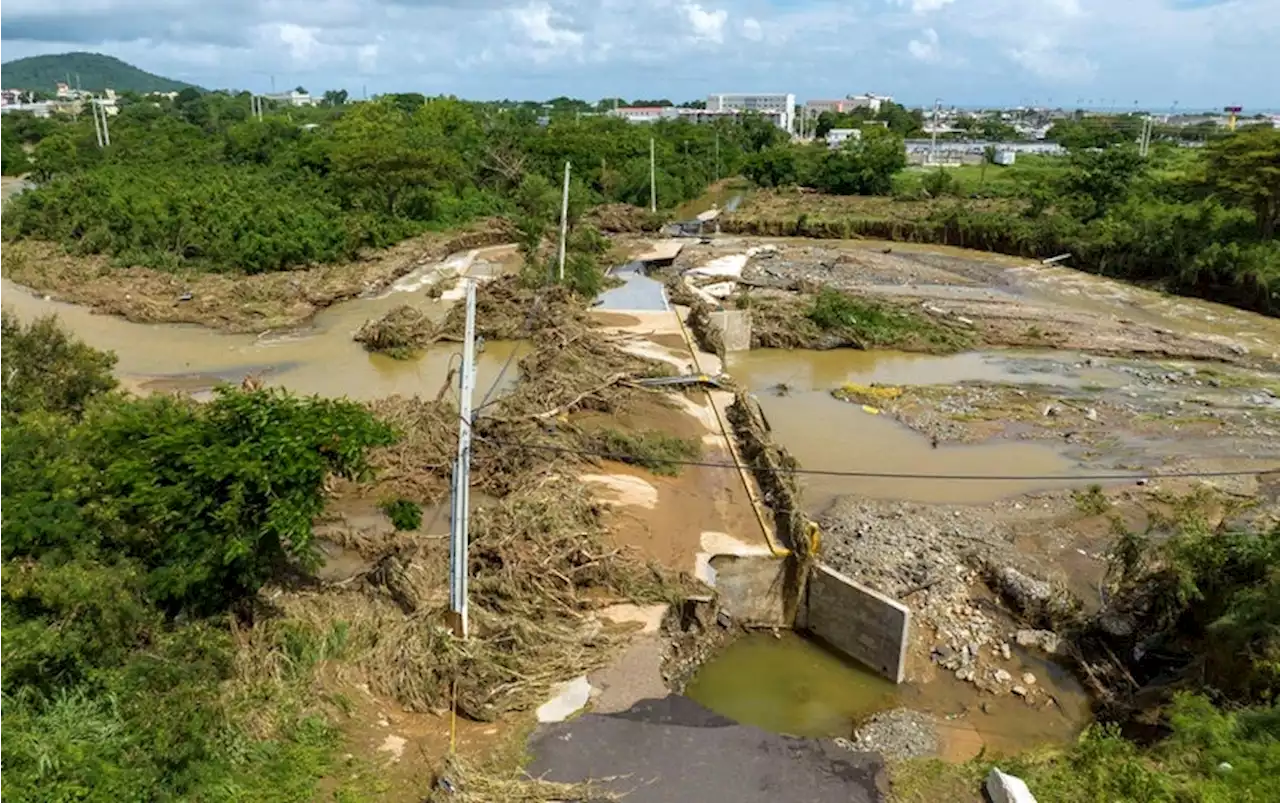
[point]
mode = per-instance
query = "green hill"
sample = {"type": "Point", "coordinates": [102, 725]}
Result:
{"type": "Point", "coordinates": [96, 72]}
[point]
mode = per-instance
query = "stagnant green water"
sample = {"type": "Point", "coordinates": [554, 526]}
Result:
{"type": "Point", "coordinates": [788, 684]}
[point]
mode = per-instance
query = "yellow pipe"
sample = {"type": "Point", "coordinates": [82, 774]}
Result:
{"type": "Point", "coordinates": [756, 505]}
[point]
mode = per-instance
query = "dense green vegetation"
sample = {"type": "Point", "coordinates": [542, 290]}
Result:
{"type": "Point", "coordinates": [196, 183]}
{"type": "Point", "coordinates": [92, 72]}
{"type": "Point", "coordinates": [863, 166]}
{"type": "Point", "coordinates": [135, 532]}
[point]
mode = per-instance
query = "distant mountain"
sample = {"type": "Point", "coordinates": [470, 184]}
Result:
{"type": "Point", "coordinates": [96, 72]}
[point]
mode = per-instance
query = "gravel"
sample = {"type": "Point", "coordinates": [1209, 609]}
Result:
{"type": "Point", "coordinates": [896, 735]}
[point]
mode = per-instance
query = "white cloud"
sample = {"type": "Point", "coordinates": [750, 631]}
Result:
{"type": "Point", "coordinates": [534, 20]}
{"type": "Point", "coordinates": [705, 26]}
{"type": "Point", "coordinates": [367, 58]}
{"type": "Point", "coordinates": [1046, 60]}
{"type": "Point", "coordinates": [301, 41]}
{"type": "Point", "coordinates": [926, 48]}
{"type": "Point", "coordinates": [995, 50]}
{"type": "Point", "coordinates": [925, 6]}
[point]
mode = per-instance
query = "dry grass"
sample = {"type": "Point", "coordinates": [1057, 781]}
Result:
{"type": "Point", "coordinates": [539, 567]}
{"type": "Point", "coordinates": [464, 782]}
{"type": "Point", "coordinates": [401, 332]}
{"type": "Point", "coordinates": [230, 301]}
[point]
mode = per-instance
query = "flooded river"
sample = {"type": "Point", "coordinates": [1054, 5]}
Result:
{"type": "Point", "coordinates": [824, 433]}
{"type": "Point", "coordinates": [320, 358]}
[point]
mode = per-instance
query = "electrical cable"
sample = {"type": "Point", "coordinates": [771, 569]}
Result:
{"type": "Point", "coordinates": [893, 475]}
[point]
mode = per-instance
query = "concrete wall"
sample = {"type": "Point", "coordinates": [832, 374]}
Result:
{"type": "Point", "coordinates": [735, 328]}
{"type": "Point", "coordinates": [752, 588]}
{"type": "Point", "coordinates": [864, 624]}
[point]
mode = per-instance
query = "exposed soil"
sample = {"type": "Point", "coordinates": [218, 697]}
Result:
{"type": "Point", "coordinates": [230, 301]}
{"type": "Point", "coordinates": [988, 296]}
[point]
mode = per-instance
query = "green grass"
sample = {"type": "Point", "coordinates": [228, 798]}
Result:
{"type": "Point", "coordinates": [873, 324]}
{"type": "Point", "coordinates": [655, 450]}
{"type": "Point", "coordinates": [1092, 501]}
{"type": "Point", "coordinates": [405, 514]}
{"type": "Point", "coordinates": [993, 181]}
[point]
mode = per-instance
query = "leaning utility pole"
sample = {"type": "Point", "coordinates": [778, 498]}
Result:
{"type": "Point", "coordinates": [97, 126]}
{"type": "Point", "coordinates": [460, 500]}
{"type": "Point", "coordinates": [564, 218]}
{"type": "Point", "coordinates": [106, 130]}
{"type": "Point", "coordinates": [653, 185]}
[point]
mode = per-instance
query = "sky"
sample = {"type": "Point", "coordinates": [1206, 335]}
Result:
{"type": "Point", "coordinates": [1100, 53]}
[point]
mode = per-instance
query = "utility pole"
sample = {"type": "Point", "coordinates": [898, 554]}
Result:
{"type": "Point", "coordinates": [933, 147]}
{"type": "Point", "coordinates": [717, 154]}
{"type": "Point", "coordinates": [653, 186]}
{"type": "Point", "coordinates": [97, 126]}
{"type": "Point", "coordinates": [564, 219]}
{"type": "Point", "coordinates": [106, 130]}
{"type": "Point", "coordinates": [460, 501]}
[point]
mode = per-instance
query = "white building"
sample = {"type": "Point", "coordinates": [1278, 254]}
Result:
{"type": "Point", "coordinates": [870, 101]}
{"type": "Point", "coordinates": [815, 107]}
{"type": "Point", "coordinates": [642, 114]}
{"type": "Point", "coordinates": [837, 137]}
{"type": "Point", "coordinates": [293, 98]}
{"type": "Point", "coordinates": [780, 107]}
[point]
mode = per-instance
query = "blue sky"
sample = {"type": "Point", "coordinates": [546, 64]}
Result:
{"type": "Point", "coordinates": [1201, 53]}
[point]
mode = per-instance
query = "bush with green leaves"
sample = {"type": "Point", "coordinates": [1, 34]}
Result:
{"type": "Point", "coordinates": [132, 528]}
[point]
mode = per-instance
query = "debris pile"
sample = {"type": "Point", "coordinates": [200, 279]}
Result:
{"type": "Point", "coordinates": [401, 332]}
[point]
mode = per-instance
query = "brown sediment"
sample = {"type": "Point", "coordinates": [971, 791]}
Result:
{"type": "Point", "coordinates": [230, 301]}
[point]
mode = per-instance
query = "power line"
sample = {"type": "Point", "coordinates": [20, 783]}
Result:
{"type": "Point", "coordinates": [620, 457]}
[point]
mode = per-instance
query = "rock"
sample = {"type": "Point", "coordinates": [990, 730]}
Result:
{"type": "Point", "coordinates": [987, 708]}
{"type": "Point", "coordinates": [965, 674]}
{"type": "Point", "coordinates": [1032, 597]}
{"type": "Point", "coordinates": [1005, 652]}
{"type": "Point", "coordinates": [1117, 624]}
{"type": "Point", "coordinates": [1028, 679]}
{"type": "Point", "coordinates": [1050, 410]}
{"type": "Point", "coordinates": [1224, 767]}
{"type": "Point", "coordinates": [1045, 640]}
{"type": "Point", "coordinates": [1236, 348]}
{"type": "Point", "coordinates": [898, 734]}
{"type": "Point", "coordinates": [1021, 691]}
{"type": "Point", "coordinates": [1005, 788]}
{"type": "Point", "coordinates": [1001, 676]}
{"type": "Point", "coordinates": [1091, 414]}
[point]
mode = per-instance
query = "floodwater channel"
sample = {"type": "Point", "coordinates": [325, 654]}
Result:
{"type": "Point", "coordinates": [787, 683]}
{"type": "Point", "coordinates": [826, 434]}
{"type": "Point", "coordinates": [319, 358]}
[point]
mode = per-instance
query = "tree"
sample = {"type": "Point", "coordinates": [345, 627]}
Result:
{"type": "Point", "coordinates": [863, 166]}
{"type": "Point", "coordinates": [46, 369]}
{"type": "Point", "coordinates": [335, 97]}
{"type": "Point", "coordinates": [1096, 180]}
{"type": "Point", "coordinates": [1245, 168]}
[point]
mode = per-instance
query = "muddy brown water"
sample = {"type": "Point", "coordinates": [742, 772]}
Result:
{"type": "Point", "coordinates": [320, 358]}
{"type": "Point", "coordinates": [790, 684]}
{"type": "Point", "coordinates": [826, 434]}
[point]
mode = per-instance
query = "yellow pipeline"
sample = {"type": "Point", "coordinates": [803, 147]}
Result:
{"type": "Point", "coordinates": [756, 505]}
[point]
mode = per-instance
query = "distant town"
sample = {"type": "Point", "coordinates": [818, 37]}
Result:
{"type": "Point", "coordinates": [945, 135]}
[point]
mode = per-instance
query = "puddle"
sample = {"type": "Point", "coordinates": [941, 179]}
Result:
{"type": "Point", "coordinates": [637, 291]}
{"type": "Point", "coordinates": [761, 369]}
{"type": "Point", "coordinates": [792, 685]}
{"type": "Point", "coordinates": [319, 359]}
{"type": "Point", "coordinates": [789, 685]}
{"type": "Point", "coordinates": [826, 434]}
